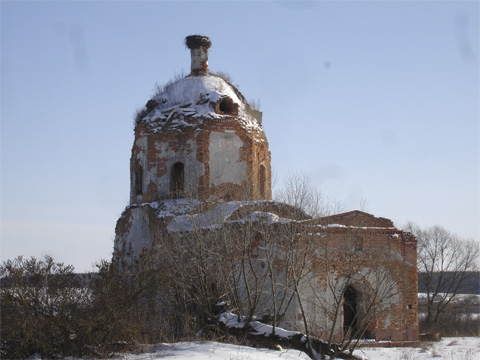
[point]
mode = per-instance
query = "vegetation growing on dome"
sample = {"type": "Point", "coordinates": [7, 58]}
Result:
{"type": "Point", "coordinates": [228, 79]}
{"type": "Point", "coordinates": [158, 90]}
{"type": "Point", "coordinates": [253, 104]}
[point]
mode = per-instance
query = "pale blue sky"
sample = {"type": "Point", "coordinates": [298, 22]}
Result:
{"type": "Point", "coordinates": [376, 100]}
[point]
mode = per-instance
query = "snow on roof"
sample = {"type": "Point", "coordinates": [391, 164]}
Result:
{"type": "Point", "coordinates": [184, 215]}
{"type": "Point", "coordinates": [263, 216]}
{"type": "Point", "coordinates": [354, 227]}
{"type": "Point", "coordinates": [213, 218]}
{"type": "Point", "coordinates": [206, 220]}
{"type": "Point", "coordinates": [169, 208]}
{"type": "Point", "coordinates": [195, 97]}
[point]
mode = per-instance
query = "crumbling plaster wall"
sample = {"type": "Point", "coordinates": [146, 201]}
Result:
{"type": "Point", "coordinates": [224, 161]}
{"type": "Point", "coordinates": [134, 234]}
{"type": "Point", "coordinates": [157, 153]}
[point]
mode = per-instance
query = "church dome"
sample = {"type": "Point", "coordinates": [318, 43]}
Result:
{"type": "Point", "coordinates": [193, 97]}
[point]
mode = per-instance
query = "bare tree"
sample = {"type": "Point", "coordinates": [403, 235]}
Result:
{"type": "Point", "coordinates": [297, 190]}
{"type": "Point", "coordinates": [445, 263]}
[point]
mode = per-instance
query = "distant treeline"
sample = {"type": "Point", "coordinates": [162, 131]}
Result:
{"type": "Point", "coordinates": [80, 280]}
{"type": "Point", "coordinates": [471, 284]}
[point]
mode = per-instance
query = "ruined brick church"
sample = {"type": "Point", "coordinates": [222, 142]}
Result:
{"type": "Point", "coordinates": [200, 159]}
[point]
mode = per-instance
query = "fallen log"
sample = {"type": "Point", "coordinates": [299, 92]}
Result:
{"type": "Point", "coordinates": [262, 335]}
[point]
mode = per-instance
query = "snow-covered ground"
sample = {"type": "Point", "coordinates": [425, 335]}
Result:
{"type": "Point", "coordinates": [467, 348]}
{"type": "Point", "coordinates": [474, 298]}
{"type": "Point", "coordinates": [213, 351]}
{"type": "Point", "coordinates": [446, 349]}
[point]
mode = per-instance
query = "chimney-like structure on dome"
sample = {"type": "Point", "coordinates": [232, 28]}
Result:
{"type": "Point", "coordinates": [198, 45]}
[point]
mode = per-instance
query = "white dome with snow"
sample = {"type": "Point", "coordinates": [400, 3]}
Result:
{"type": "Point", "coordinates": [207, 96]}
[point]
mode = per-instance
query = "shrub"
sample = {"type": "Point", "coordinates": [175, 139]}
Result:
{"type": "Point", "coordinates": [42, 304]}
{"type": "Point", "coordinates": [49, 310]}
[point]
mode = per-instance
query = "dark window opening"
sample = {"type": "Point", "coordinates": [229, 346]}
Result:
{"type": "Point", "coordinates": [350, 310]}
{"type": "Point", "coordinates": [178, 179]}
{"type": "Point", "coordinates": [138, 180]}
{"type": "Point", "coordinates": [226, 106]}
{"type": "Point", "coordinates": [262, 181]}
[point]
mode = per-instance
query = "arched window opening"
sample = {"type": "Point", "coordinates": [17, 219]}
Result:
{"type": "Point", "coordinates": [138, 181]}
{"type": "Point", "coordinates": [178, 179]}
{"type": "Point", "coordinates": [226, 106]}
{"type": "Point", "coordinates": [350, 311]}
{"type": "Point", "coordinates": [262, 179]}
{"type": "Point", "coordinates": [358, 243]}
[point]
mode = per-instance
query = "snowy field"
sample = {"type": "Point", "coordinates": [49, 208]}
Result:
{"type": "Point", "coordinates": [467, 348]}
{"type": "Point", "coordinates": [446, 349]}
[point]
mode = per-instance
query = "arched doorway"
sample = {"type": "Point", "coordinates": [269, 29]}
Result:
{"type": "Point", "coordinates": [350, 310]}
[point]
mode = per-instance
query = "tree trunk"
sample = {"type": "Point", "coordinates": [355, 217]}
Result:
{"type": "Point", "coordinates": [296, 341]}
